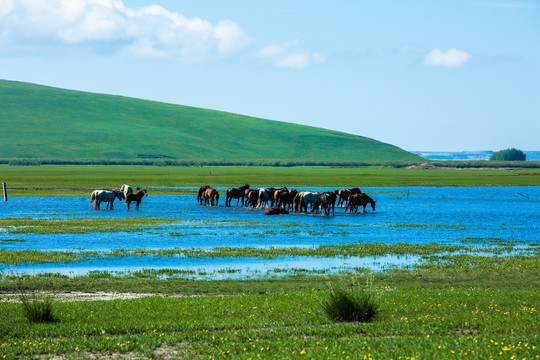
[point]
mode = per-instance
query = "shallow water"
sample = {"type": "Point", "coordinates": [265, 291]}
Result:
{"type": "Point", "coordinates": [419, 215]}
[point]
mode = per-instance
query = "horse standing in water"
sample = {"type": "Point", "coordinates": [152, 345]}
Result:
{"type": "Point", "coordinates": [210, 196]}
{"type": "Point", "coordinates": [137, 197]}
{"type": "Point", "coordinates": [344, 195]}
{"type": "Point", "coordinates": [235, 193]}
{"type": "Point", "coordinates": [327, 201]}
{"type": "Point", "coordinates": [126, 189]}
{"type": "Point", "coordinates": [108, 196]}
{"type": "Point", "coordinates": [202, 189]}
{"type": "Point", "coordinates": [356, 200]}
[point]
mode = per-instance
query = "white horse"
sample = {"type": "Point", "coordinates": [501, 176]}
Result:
{"type": "Point", "coordinates": [265, 195]}
{"type": "Point", "coordinates": [309, 197]}
{"type": "Point", "coordinates": [126, 189]}
{"type": "Point", "coordinates": [107, 196]}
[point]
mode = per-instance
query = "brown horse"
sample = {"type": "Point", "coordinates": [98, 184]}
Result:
{"type": "Point", "coordinates": [202, 189]}
{"type": "Point", "coordinates": [344, 195]}
{"type": "Point", "coordinates": [235, 193]}
{"type": "Point", "coordinates": [275, 210]}
{"type": "Point", "coordinates": [210, 197]}
{"type": "Point", "coordinates": [285, 198]}
{"type": "Point", "coordinates": [356, 200]}
{"type": "Point", "coordinates": [252, 198]}
{"type": "Point", "coordinates": [137, 197]}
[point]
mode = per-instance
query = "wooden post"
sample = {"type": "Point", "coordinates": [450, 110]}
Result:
{"type": "Point", "coordinates": [5, 191]}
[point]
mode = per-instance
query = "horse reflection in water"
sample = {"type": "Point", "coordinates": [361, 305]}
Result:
{"type": "Point", "coordinates": [108, 196]}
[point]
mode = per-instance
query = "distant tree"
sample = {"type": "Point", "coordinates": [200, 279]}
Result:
{"type": "Point", "coordinates": [508, 155]}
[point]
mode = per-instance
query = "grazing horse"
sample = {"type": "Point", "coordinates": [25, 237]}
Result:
{"type": "Point", "coordinates": [327, 201]}
{"type": "Point", "coordinates": [210, 196]}
{"type": "Point", "coordinates": [356, 200]}
{"type": "Point", "coordinates": [126, 189]}
{"type": "Point", "coordinates": [275, 210]}
{"type": "Point", "coordinates": [235, 193]}
{"type": "Point", "coordinates": [108, 196]}
{"type": "Point", "coordinates": [344, 195]}
{"type": "Point", "coordinates": [202, 189]}
{"type": "Point", "coordinates": [137, 197]}
{"type": "Point", "coordinates": [286, 199]}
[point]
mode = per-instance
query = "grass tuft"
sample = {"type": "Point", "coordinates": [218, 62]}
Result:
{"type": "Point", "coordinates": [38, 310]}
{"type": "Point", "coordinates": [349, 306]}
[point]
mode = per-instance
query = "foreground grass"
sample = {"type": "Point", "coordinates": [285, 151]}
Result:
{"type": "Point", "coordinates": [80, 180]}
{"type": "Point", "coordinates": [438, 313]}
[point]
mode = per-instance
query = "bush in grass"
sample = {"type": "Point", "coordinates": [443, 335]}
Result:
{"type": "Point", "coordinates": [38, 310]}
{"type": "Point", "coordinates": [346, 305]}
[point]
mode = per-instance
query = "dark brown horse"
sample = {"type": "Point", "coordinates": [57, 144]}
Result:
{"type": "Point", "coordinates": [275, 210]}
{"type": "Point", "coordinates": [235, 193]}
{"type": "Point", "coordinates": [210, 197]}
{"type": "Point", "coordinates": [285, 198]}
{"type": "Point", "coordinates": [327, 201]}
{"type": "Point", "coordinates": [345, 193]}
{"type": "Point", "coordinates": [356, 200]}
{"type": "Point", "coordinates": [137, 197]}
{"type": "Point", "coordinates": [202, 189]}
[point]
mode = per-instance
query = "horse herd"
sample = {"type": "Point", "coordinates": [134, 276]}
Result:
{"type": "Point", "coordinates": [124, 193]}
{"type": "Point", "coordinates": [282, 199]}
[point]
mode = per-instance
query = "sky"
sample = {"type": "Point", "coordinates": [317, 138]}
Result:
{"type": "Point", "coordinates": [423, 75]}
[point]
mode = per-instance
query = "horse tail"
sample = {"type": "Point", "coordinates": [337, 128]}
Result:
{"type": "Point", "coordinates": [92, 198]}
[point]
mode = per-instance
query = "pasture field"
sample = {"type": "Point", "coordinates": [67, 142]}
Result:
{"type": "Point", "coordinates": [79, 180]}
{"type": "Point", "coordinates": [485, 309]}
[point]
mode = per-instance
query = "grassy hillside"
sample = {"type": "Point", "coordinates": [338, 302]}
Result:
{"type": "Point", "coordinates": [50, 123]}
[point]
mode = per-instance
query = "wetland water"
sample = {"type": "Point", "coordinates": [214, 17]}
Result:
{"type": "Point", "coordinates": [416, 215]}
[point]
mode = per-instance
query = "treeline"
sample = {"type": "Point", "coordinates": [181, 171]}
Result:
{"type": "Point", "coordinates": [195, 163]}
{"type": "Point", "coordinates": [458, 164]}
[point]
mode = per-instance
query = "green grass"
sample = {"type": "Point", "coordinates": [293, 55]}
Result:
{"type": "Point", "coordinates": [71, 180]}
{"type": "Point", "coordinates": [51, 123]}
{"type": "Point", "coordinates": [427, 314]}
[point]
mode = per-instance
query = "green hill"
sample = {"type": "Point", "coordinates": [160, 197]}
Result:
{"type": "Point", "coordinates": [49, 123]}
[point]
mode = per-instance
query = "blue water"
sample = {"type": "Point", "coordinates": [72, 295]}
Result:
{"type": "Point", "coordinates": [418, 215]}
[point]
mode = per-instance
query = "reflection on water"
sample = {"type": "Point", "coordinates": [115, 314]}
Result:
{"type": "Point", "coordinates": [445, 215]}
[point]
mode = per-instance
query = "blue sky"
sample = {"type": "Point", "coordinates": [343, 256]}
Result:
{"type": "Point", "coordinates": [423, 75]}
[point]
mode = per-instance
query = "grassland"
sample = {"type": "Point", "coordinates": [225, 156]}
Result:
{"type": "Point", "coordinates": [482, 312]}
{"type": "Point", "coordinates": [454, 305]}
{"type": "Point", "coordinates": [69, 180]}
{"type": "Point", "coordinates": [80, 125]}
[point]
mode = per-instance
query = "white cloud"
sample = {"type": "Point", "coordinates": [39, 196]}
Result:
{"type": "Point", "coordinates": [147, 31]}
{"type": "Point", "coordinates": [450, 58]}
{"type": "Point", "coordinates": [290, 55]}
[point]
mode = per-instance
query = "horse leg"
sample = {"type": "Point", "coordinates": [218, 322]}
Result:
{"type": "Point", "coordinates": [112, 204]}
{"type": "Point", "coordinates": [128, 202]}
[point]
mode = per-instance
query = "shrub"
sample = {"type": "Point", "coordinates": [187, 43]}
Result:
{"type": "Point", "coordinates": [345, 305]}
{"type": "Point", "coordinates": [38, 311]}
{"type": "Point", "coordinates": [508, 155]}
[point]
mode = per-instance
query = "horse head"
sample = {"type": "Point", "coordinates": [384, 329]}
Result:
{"type": "Point", "coordinates": [119, 194]}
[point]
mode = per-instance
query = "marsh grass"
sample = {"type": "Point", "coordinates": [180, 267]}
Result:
{"type": "Point", "coordinates": [350, 306]}
{"type": "Point", "coordinates": [38, 310]}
